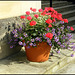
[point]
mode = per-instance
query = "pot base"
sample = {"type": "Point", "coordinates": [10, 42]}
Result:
{"type": "Point", "coordinates": [39, 53]}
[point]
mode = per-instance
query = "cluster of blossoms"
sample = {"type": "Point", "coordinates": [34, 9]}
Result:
{"type": "Point", "coordinates": [42, 26]}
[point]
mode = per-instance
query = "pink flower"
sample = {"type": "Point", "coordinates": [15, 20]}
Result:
{"type": "Point", "coordinates": [32, 23]}
{"type": "Point", "coordinates": [65, 20]}
{"type": "Point", "coordinates": [50, 25]}
{"type": "Point", "coordinates": [49, 35]}
{"type": "Point", "coordinates": [36, 15]}
{"type": "Point", "coordinates": [30, 8]}
{"type": "Point", "coordinates": [34, 10]}
{"type": "Point", "coordinates": [54, 20]}
{"type": "Point", "coordinates": [71, 28]}
{"type": "Point", "coordinates": [29, 17]}
{"type": "Point", "coordinates": [46, 9]}
{"type": "Point", "coordinates": [48, 21]}
{"type": "Point", "coordinates": [51, 9]}
{"type": "Point", "coordinates": [27, 12]}
{"type": "Point", "coordinates": [22, 17]}
{"type": "Point", "coordinates": [40, 10]}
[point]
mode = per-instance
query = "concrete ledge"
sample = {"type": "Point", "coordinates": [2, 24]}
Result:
{"type": "Point", "coordinates": [18, 64]}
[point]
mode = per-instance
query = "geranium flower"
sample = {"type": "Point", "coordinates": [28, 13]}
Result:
{"type": "Point", "coordinates": [48, 21]}
{"type": "Point", "coordinates": [32, 23]}
{"type": "Point", "coordinates": [71, 28]}
{"type": "Point", "coordinates": [36, 15]}
{"type": "Point", "coordinates": [65, 20]}
{"type": "Point", "coordinates": [29, 17]}
{"type": "Point", "coordinates": [50, 25]}
{"type": "Point", "coordinates": [22, 17]}
{"type": "Point", "coordinates": [49, 35]}
{"type": "Point", "coordinates": [34, 10]}
{"type": "Point", "coordinates": [20, 43]}
{"type": "Point", "coordinates": [31, 8]}
{"type": "Point", "coordinates": [40, 10]}
{"type": "Point", "coordinates": [27, 12]}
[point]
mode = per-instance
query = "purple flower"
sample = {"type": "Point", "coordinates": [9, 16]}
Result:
{"type": "Point", "coordinates": [69, 36]}
{"type": "Point", "coordinates": [53, 33]}
{"type": "Point", "coordinates": [20, 29]}
{"type": "Point", "coordinates": [64, 37]}
{"type": "Point", "coordinates": [10, 40]}
{"type": "Point", "coordinates": [59, 43]}
{"type": "Point", "coordinates": [68, 27]}
{"type": "Point", "coordinates": [50, 44]}
{"type": "Point", "coordinates": [68, 47]}
{"type": "Point", "coordinates": [11, 46]}
{"type": "Point", "coordinates": [44, 34]}
{"type": "Point", "coordinates": [59, 33]}
{"type": "Point", "coordinates": [71, 43]}
{"type": "Point", "coordinates": [58, 29]}
{"type": "Point", "coordinates": [62, 22]}
{"type": "Point", "coordinates": [47, 29]}
{"type": "Point", "coordinates": [73, 49]}
{"type": "Point", "coordinates": [72, 55]}
{"type": "Point", "coordinates": [25, 34]}
{"type": "Point", "coordinates": [15, 35]}
{"type": "Point", "coordinates": [34, 44]}
{"type": "Point", "coordinates": [62, 46]}
{"type": "Point", "coordinates": [31, 44]}
{"type": "Point", "coordinates": [24, 44]}
{"type": "Point", "coordinates": [58, 51]}
{"type": "Point", "coordinates": [62, 28]}
{"type": "Point", "coordinates": [20, 43]}
{"type": "Point", "coordinates": [14, 31]}
{"type": "Point", "coordinates": [20, 38]}
{"type": "Point", "coordinates": [73, 46]}
{"type": "Point", "coordinates": [48, 40]}
{"type": "Point", "coordinates": [15, 39]}
{"type": "Point", "coordinates": [32, 40]}
{"type": "Point", "coordinates": [56, 39]}
{"type": "Point", "coordinates": [53, 30]}
{"type": "Point", "coordinates": [37, 39]}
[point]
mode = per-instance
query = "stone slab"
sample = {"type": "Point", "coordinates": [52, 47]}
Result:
{"type": "Point", "coordinates": [18, 63]}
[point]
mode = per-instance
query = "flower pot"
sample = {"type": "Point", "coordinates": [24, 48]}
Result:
{"type": "Point", "coordinates": [39, 53]}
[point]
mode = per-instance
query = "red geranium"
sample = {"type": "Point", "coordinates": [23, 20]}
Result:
{"type": "Point", "coordinates": [30, 8]}
{"type": "Point", "coordinates": [50, 25]}
{"type": "Point", "coordinates": [48, 21]}
{"type": "Point", "coordinates": [54, 20]}
{"type": "Point", "coordinates": [36, 15]}
{"type": "Point", "coordinates": [40, 10]}
{"type": "Point", "coordinates": [65, 20]}
{"type": "Point", "coordinates": [46, 9]}
{"type": "Point", "coordinates": [22, 17]}
{"type": "Point", "coordinates": [34, 10]}
{"type": "Point", "coordinates": [43, 13]}
{"type": "Point", "coordinates": [27, 12]}
{"type": "Point", "coordinates": [32, 23]}
{"type": "Point", "coordinates": [29, 17]}
{"type": "Point", "coordinates": [71, 28]}
{"type": "Point", "coordinates": [50, 9]}
{"type": "Point", "coordinates": [49, 35]}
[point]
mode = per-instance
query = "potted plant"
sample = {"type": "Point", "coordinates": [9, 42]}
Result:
{"type": "Point", "coordinates": [40, 31]}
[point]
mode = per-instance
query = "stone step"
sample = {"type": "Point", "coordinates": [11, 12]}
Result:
{"type": "Point", "coordinates": [71, 21]}
{"type": "Point", "coordinates": [60, 3]}
{"type": "Point", "coordinates": [65, 8]}
{"type": "Point", "coordinates": [68, 14]}
{"type": "Point", "coordinates": [54, 3]}
{"type": "Point", "coordinates": [18, 63]}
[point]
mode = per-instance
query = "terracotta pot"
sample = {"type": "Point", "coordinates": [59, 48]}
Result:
{"type": "Point", "coordinates": [39, 53]}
